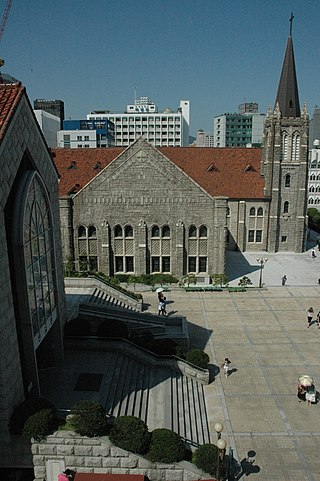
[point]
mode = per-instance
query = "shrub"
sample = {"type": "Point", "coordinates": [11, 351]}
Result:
{"type": "Point", "coordinates": [113, 328]}
{"type": "Point", "coordinates": [89, 418]}
{"type": "Point", "coordinates": [244, 281]}
{"type": "Point", "coordinates": [130, 433]}
{"type": "Point", "coordinates": [166, 446]}
{"type": "Point", "coordinates": [205, 458]}
{"type": "Point", "coordinates": [188, 279]}
{"type": "Point", "coordinates": [198, 357]}
{"type": "Point", "coordinates": [24, 410]}
{"type": "Point", "coordinates": [77, 327]}
{"type": "Point", "coordinates": [219, 279]}
{"type": "Point", "coordinates": [40, 425]}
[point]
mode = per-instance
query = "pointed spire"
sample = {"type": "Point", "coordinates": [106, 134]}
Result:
{"type": "Point", "coordinates": [287, 95]}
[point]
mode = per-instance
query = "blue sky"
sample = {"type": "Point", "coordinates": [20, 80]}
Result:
{"type": "Point", "coordinates": [92, 54]}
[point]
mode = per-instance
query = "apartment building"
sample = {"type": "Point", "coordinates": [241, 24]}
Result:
{"type": "Point", "coordinates": [77, 134]}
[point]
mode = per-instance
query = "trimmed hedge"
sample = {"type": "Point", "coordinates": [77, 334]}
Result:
{"type": "Point", "coordinates": [198, 358]}
{"type": "Point", "coordinates": [166, 447]}
{"type": "Point", "coordinates": [40, 425]}
{"type": "Point", "coordinates": [24, 410]}
{"type": "Point", "coordinates": [89, 418]}
{"type": "Point", "coordinates": [205, 458]}
{"type": "Point", "coordinates": [130, 433]}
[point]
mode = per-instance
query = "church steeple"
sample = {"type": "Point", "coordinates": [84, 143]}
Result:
{"type": "Point", "coordinates": [287, 95]}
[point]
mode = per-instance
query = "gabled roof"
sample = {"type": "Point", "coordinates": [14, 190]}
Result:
{"type": "Point", "coordinates": [229, 177]}
{"type": "Point", "coordinates": [10, 95]}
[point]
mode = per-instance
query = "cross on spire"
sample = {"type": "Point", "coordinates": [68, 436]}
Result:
{"type": "Point", "coordinates": [291, 20]}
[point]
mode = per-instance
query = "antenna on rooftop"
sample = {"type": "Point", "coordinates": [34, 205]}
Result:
{"type": "Point", "coordinates": [135, 94]}
{"type": "Point", "coordinates": [3, 23]}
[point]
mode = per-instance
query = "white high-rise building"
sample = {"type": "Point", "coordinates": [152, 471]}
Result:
{"type": "Point", "coordinates": [314, 176]}
{"type": "Point", "coordinates": [163, 129]}
{"type": "Point", "coordinates": [204, 139]}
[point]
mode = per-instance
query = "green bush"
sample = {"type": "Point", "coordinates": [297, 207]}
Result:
{"type": "Point", "coordinates": [130, 433]}
{"type": "Point", "coordinates": [40, 425]}
{"type": "Point", "coordinates": [198, 358]}
{"type": "Point", "coordinates": [121, 278]}
{"type": "Point", "coordinates": [206, 458]}
{"type": "Point", "coordinates": [89, 418]}
{"type": "Point", "coordinates": [77, 327]}
{"type": "Point", "coordinates": [113, 328]}
{"type": "Point", "coordinates": [24, 410]}
{"type": "Point", "coordinates": [166, 446]}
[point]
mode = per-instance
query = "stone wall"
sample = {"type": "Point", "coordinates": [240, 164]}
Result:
{"type": "Point", "coordinates": [98, 455]}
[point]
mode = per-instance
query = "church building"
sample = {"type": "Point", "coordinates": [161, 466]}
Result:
{"type": "Point", "coordinates": [179, 210]}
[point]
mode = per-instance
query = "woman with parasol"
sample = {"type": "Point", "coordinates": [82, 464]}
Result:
{"type": "Point", "coordinates": [306, 384]}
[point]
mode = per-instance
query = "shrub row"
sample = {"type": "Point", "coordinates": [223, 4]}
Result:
{"type": "Point", "coordinates": [89, 418]}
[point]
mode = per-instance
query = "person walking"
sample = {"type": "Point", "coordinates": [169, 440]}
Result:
{"type": "Point", "coordinates": [318, 319]}
{"type": "Point", "coordinates": [225, 366]}
{"type": "Point", "coordinates": [313, 254]}
{"type": "Point", "coordinates": [310, 313]}
{"type": "Point", "coordinates": [284, 280]}
{"type": "Point", "coordinates": [65, 475]}
{"type": "Point", "coordinates": [301, 393]}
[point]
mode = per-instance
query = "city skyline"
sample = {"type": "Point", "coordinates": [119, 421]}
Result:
{"type": "Point", "coordinates": [215, 54]}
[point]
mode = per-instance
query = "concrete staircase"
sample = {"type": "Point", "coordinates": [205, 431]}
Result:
{"type": "Point", "coordinates": [161, 397]}
{"type": "Point", "coordinates": [101, 298]}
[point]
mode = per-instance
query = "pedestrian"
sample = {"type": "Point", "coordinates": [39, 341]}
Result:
{"type": "Point", "coordinates": [160, 296]}
{"type": "Point", "coordinates": [310, 395]}
{"type": "Point", "coordinates": [318, 319]}
{"type": "Point", "coordinates": [160, 307]}
{"type": "Point", "coordinates": [163, 306]}
{"type": "Point", "coordinates": [313, 254]}
{"type": "Point", "coordinates": [225, 366]}
{"type": "Point", "coordinates": [310, 313]}
{"type": "Point", "coordinates": [318, 282]}
{"type": "Point", "coordinates": [65, 475]}
{"type": "Point", "coordinates": [301, 392]}
{"type": "Point", "coordinates": [284, 280]}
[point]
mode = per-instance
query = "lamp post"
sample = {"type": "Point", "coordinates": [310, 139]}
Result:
{"type": "Point", "coordinates": [218, 427]}
{"type": "Point", "coordinates": [261, 261]}
{"type": "Point", "coordinates": [221, 445]}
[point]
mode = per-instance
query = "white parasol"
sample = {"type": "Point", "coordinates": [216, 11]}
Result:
{"type": "Point", "coordinates": [306, 380]}
{"type": "Point", "coordinates": [160, 289]}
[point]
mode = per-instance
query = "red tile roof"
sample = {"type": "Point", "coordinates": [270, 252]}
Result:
{"type": "Point", "coordinates": [10, 95]}
{"type": "Point", "coordinates": [231, 172]}
{"type": "Point", "coordinates": [108, 477]}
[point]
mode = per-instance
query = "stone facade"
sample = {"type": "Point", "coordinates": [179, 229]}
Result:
{"type": "Point", "coordinates": [142, 188]}
{"type": "Point", "coordinates": [99, 455]}
{"type": "Point", "coordinates": [22, 151]}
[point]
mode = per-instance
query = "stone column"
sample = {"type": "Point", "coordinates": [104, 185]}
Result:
{"type": "Point", "coordinates": [177, 264]}
{"type": "Point", "coordinates": [105, 251]}
{"type": "Point", "coordinates": [141, 248]}
{"type": "Point", "coordinates": [242, 234]}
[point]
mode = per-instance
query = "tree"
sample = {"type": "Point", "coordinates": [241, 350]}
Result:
{"type": "Point", "coordinates": [219, 279]}
{"type": "Point", "coordinates": [166, 446]}
{"type": "Point", "coordinates": [130, 433]}
{"type": "Point", "coordinates": [198, 357]}
{"type": "Point", "coordinates": [244, 281]}
{"type": "Point", "coordinates": [40, 425]}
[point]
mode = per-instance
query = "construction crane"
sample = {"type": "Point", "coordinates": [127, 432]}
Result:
{"type": "Point", "coordinates": [3, 23]}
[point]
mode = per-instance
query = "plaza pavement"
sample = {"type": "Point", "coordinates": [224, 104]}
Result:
{"type": "Point", "coordinates": [264, 333]}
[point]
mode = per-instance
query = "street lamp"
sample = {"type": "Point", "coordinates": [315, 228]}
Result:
{"type": "Point", "coordinates": [261, 261]}
{"type": "Point", "coordinates": [218, 427]}
{"type": "Point", "coordinates": [221, 445]}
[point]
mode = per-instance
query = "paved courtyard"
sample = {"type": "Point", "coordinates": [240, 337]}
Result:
{"type": "Point", "coordinates": [264, 333]}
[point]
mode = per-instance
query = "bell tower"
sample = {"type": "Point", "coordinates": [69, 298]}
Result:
{"type": "Point", "coordinates": [284, 162]}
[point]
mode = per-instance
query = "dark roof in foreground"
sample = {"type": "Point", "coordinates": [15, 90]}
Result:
{"type": "Point", "coordinates": [10, 95]}
{"type": "Point", "coordinates": [230, 172]}
{"type": "Point", "coordinates": [108, 477]}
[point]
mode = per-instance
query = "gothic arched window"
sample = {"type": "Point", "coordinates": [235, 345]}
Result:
{"type": "Point", "coordinates": [82, 231]}
{"type": "Point", "coordinates": [192, 231]}
{"type": "Point", "coordinates": [203, 231]}
{"type": "Point", "coordinates": [128, 231]}
{"type": "Point", "coordinates": [118, 231]}
{"type": "Point", "coordinates": [284, 146]}
{"type": "Point", "coordinates": [286, 207]}
{"type": "Point", "coordinates": [295, 149]}
{"type": "Point", "coordinates": [165, 231]}
{"type": "Point", "coordinates": [155, 231]}
{"type": "Point", "coordinates": [252, 211]}
{"type": "Point", "coordinates": [92, 231]}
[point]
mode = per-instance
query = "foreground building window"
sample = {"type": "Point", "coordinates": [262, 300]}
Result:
{"type": "Point", "coordinates": [160, 249]}
{"type": "Point", "coordinates": [39, 259]}
{"type": "Point", "coordinates": [197, 249]}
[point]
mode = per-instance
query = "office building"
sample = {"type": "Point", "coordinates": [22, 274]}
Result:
{"type": "Point", "coordinates": [143, 118]}
{"type": "Point", "coordinates": [50, 125]}
{"type": "Point", "coordinates": [242, 129]}
{"type": "Point", "coordinates": [204, 139]}
{"type": "Point", "coordinates": [86, 134]}
{"type": "Point", "coordinates": [54, 107]}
